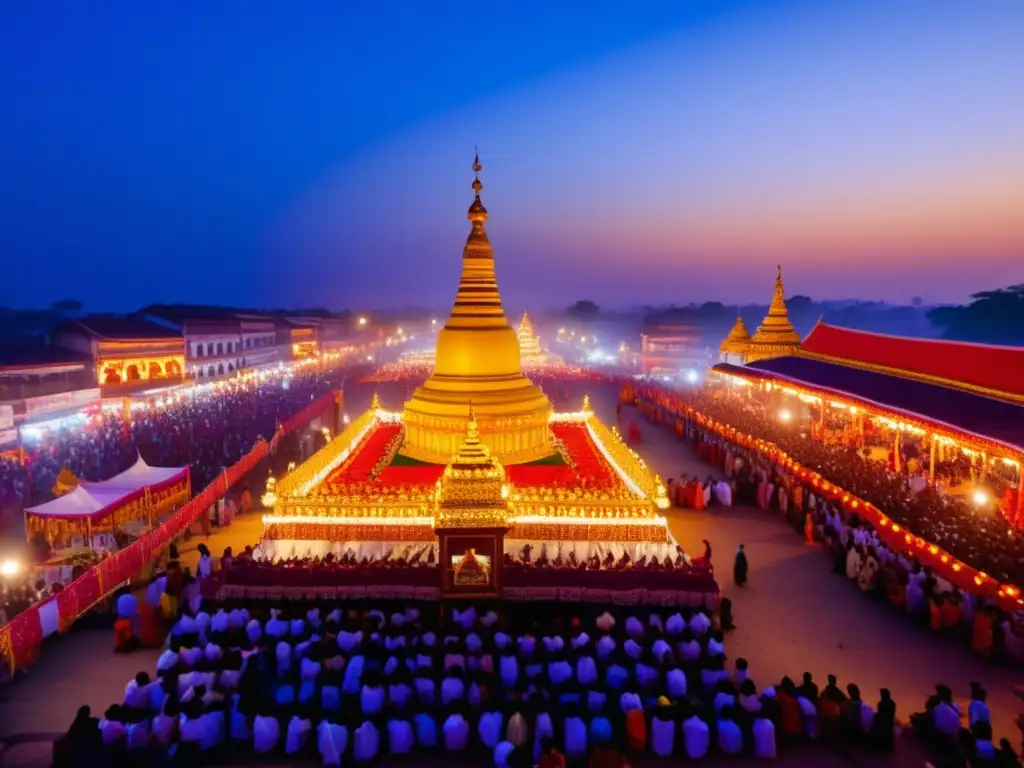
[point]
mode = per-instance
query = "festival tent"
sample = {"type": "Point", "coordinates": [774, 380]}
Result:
{"type": "Point", "coordinates": [138, 493]}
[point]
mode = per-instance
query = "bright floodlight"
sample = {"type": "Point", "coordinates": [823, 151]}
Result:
{"type": "Point", "coordinates": [785, 415]}
{"type": "Point", "coordinates": [691, 376]}
{"type": "Point", "coordinates": [979, 496]}
{"type": "Point", "coordinates": [9, 568]}
{"type": "Point", "coordinates": [362, 321]}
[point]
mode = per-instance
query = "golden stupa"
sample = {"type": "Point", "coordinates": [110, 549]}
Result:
{"type": "Point", "coordinates": [477, 362]}
{"type": "Point", "coordinates": [775, 336]}
{"type": "Point", "coordinates": [737, 343]}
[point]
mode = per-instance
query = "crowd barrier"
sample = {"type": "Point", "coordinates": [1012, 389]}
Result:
{"type": "Point", "coordinates": [662, 411]}
{"type": "Point", "coordinates": [21, 637]}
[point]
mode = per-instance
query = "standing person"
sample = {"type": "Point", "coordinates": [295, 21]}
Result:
{"type": "Point", "coordinates": [739, 567]}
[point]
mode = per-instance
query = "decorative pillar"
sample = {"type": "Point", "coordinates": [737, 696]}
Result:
{"type": "Point", "coordinates": [931, 462]}
{"type": "Point", "coordinates": [984, 466]}
{"type": "Point", "coordinates": [823, 406]}
{"type": "Point", "coordinates": [897, 463]}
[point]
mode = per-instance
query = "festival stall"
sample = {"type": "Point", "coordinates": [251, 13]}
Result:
{"type": "Point", "coordinates": [139, 494]}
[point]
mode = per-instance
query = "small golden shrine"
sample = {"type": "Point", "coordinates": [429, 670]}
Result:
{"type": "Point", "coordinates": [530, 351]}
{"type": "Point", "coordinates": [473, 492]}
{"type": "Point", "coordinates": [736, 344]}
{"type": "Point", "coordinates": [477, 361]}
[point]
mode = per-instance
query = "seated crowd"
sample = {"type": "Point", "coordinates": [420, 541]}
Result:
{"type": "Point", "coordinates": [859, 553]}
{"type": "Point", "coordinates": [534, 684]}
{"type": "Point", "coordinates": [985, 541]}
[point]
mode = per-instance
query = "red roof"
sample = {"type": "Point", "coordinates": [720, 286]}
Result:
{"type": "Point", "coordinates": [993, 369]}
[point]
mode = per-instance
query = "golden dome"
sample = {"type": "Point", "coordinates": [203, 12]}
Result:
{"type": "Point", "coordinates": [477, 361]}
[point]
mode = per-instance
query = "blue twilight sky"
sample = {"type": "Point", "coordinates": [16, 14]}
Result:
{"type": "Point", "coordinates": [317, 152]}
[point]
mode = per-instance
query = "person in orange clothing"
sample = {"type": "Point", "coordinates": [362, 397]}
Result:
{"type": "Point", "coordinates": [808, 526]}
{"type": "Point", "coordinates": [790, 716]}
{"type": "Point", "coordinates": [981, 633]}
{"type": "Point", "coordinates": [935, 613]}
{"type": "Point", "coordinates": [949, 612]}
{"type": "Point", "coordinates": [636, 730]}
{"type": "Point", "coordinates": [150, 634]}
{"type": "Point", "coordinates": [124, 636]}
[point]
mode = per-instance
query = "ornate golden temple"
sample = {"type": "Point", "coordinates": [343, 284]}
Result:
{"type": "Point", "coordinates": [531, 353]}
{"type": "Point", "coordinates": [477, 447]}
{"type": "Point", "coordinates": [477, 362]}
{"type": "Point", "coordinates": [774, 337]}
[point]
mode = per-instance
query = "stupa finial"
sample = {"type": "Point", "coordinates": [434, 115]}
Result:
{"type": "Point", "coordinates": [587, 407]}
{"type": "Point", "coordinates": [375, 402]}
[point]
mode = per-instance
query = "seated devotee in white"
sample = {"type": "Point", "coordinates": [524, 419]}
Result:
{"type": "Point", "coordinates": [723, 492]}
{"type": "Point", "coordinates": [455, 733]}
{"type": "Point", "coordinates": [502, 753]}
{"type": "Point", "coordinates": [297, 735]}
{"type": "Point", "coordinates": [575, 731]}
{"type": "Point", "coordinates": [266, 732]}
{"type": "Point", "coordinates": [331, 741]}
{"type": "Point", "coordinates": [517, 731]}
{"type": "Point", "coordinates": [663, 734]}
{"type": "Point", "coordinates": [366, 742]}
{"type": "Point", "coordinates": [730, 737]}
{"type": "Point", "coordinates": [489, 729]}
{"type": "Point", "coordinates": [400, 736]}
{"type": "Point", "coordinates": [696, 737]}
{"type": "Point", "coordinates": [764, 738]}
{"type": "Point", "coordinates": [426, 730]}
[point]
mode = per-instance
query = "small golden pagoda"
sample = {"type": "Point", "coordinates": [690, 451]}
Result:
{"type": "Point", "coordinates": [477, 361]}
{"type": "Point", "coordinates": [529, 344]}
{"type": "Point", "coordinates": [775, 336]}
{"type": "Point", "coordinates": [736, 346]}
{"type": "Point", "coordinates": [473, 492]}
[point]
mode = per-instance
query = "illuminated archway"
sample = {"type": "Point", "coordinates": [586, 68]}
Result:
{"type": "Point", "coordinates": [220, 369]}
{"type": "Point", "coordinates": [111, 376]}
{"type": "Point", "coordinates": [171, 368]}
{"type": "Point", "coordinates": [212, 372]}
{"type": "Point", "coordinates": [131, 373]}
{"type": "Point", "coordinates": [155, 371]}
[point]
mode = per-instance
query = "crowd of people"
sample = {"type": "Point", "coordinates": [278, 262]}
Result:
{"type": "Point", "coordinates": [857, 550]}
{"type": "Point", "coordinates": [207, 430]}
{"type": "Point", "coordinates": [551, 686]}
{"type": "Point", "coordinates": [979, 537]}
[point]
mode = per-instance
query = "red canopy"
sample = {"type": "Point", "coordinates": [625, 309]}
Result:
{"type": "Point", "coordinates": [991, 369]}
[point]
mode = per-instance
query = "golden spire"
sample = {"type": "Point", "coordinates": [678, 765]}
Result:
{"type": "Point", "coordinates": [375, 402]}
{"type": "Point", "coordinates": [586, 407]}
{"type": "Point", "coordinates": [776, 327]}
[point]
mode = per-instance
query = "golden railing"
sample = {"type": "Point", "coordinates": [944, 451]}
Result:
{"type": "Point", "coordinates": [315, 469]}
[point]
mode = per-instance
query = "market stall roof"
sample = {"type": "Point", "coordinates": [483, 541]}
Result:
{"type": "Point", "coordinates": [97, 500]}
{"type": "Point", "coordinates": [952, 410]}
{"type": "Point", "coordinates": [983, 368]}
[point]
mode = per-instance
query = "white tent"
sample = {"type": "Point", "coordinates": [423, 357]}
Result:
{"type": "Point", "coordinates": [96, 500]}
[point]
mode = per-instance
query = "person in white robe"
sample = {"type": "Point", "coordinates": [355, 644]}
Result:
{"type": "Point", "coordinates": [575, 734]}
{"type": "Point", "coordinates": [663, 731]}
{"type": "Point", "coordinates": [696, 737]}
{"type": "Point", "coordinates": [517, 731]}
{"type": "Point", "coordinates": [503, 754]}
{"type": "Point", "coordinates": [764, 738]}
{"type": "Point", "coordinates": [730, 737]}
{"type": "Point", "coordinates": [400, 736]}
{"type": "Point", "coordinates": [455, 733]}
{"type": "Point", "coordinates": [297, 734]}
{"type": "Point", "coordinates": [489, 728]}
{"type": "Point", "coordinates": [723, 492]}
{"type": "Point", "coordinates": [266, 732]}
{"type": "Point", "coordinates": [331, 741]}
{"type": "Point", "coordinates": [543, 730]}
{"type": "Point", "coordinates": [426, 730]}
{"type": "Point", "coordinates": [366, 742]}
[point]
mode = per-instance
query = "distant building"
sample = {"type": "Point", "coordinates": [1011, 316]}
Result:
{"type": "Point", "coordinates": [670, 344]}
{"type": "Point", "coordinates": [38, 380]}
{"type": "Point", "coordinates": [126, 351]}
